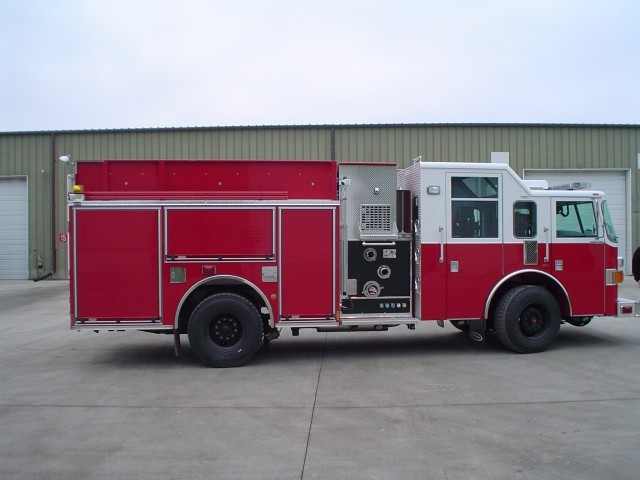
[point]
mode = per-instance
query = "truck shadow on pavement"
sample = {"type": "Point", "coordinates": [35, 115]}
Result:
{"type": "Point", "coordinates": [581, 337]}
{"type": "Point", "coordinates": [348, 347]}
{"type": "Point", "coordinates": [425, 347]}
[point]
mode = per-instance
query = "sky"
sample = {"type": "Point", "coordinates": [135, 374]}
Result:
{"type": "Point", "coordinates": [105, 64]}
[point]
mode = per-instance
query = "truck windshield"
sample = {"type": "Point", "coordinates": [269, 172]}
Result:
{"type": "Point", "coordinates": [608, 223]}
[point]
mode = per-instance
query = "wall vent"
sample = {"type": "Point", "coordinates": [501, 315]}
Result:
{"type": "Point", "coordinates": [530, 252]}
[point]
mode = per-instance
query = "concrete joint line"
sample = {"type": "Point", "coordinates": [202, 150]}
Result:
{"type": "Point", "coordinates": [313, 410]}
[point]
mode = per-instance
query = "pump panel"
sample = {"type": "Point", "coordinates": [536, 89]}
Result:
{"type": "Point", "coordinates": [379, 278]}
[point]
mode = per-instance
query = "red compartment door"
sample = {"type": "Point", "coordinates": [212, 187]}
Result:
{"type": "Point", "coordinates": [221, 233]}
{"type": "Point", "coordinates": [117, 264]}
{"type": "Point", "coordinates": [308, 260]}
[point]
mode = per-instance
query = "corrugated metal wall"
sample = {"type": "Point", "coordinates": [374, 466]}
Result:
{"type": "Point", "coordinates": [30, 155]}
{"type": "Point", "coordinates": [530, 146]}
{"type": "Point", "coordinates": [248, 144]}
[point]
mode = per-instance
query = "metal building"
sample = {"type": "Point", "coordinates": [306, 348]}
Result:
{"type": "Point", "coordinates": [33, 181]}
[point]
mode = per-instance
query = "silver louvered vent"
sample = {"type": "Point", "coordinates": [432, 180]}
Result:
{"type": "Point", "coordinates": [375, 219]}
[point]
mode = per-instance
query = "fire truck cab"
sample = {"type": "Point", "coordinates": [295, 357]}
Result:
{"type": "Point", "coordinates": [494, 252]}
{"type": "Point", "coordinates": [232, 252]}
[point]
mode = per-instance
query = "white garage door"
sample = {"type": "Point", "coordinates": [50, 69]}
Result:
{"type": "Point", "coordinates": [613, 183]}
{"type": "Point", "coordinates": [14, 245]}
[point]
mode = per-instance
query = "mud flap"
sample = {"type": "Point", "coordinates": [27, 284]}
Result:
{"type": "Point", "coordinates": [478, 330]}
{"type": "Point", "coordinates": [177, 346]}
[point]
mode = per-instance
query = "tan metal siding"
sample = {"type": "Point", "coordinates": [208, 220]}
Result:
{"type": "Point", "coordinates": [30, 156]}
{"type": "Point", "coordinates": [249, 144]}
{"type": "Point", "coordinates": [544, 147]}
{"type": "Point", "coordinates": [564, 146]}
{"type": "Point", "coordinates": [530, 146]}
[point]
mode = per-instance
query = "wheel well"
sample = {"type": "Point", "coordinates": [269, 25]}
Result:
{"type": "Point", "coordinates": [206, 290]}
{"type": "Point", "coordinates": [531, 278]}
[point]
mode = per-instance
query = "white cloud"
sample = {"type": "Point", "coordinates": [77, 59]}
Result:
{"type": "Point", "coordinates": [138, 63]}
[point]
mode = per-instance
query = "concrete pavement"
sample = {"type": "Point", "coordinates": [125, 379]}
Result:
{"type": "Point", "coordinates": [427, 404]}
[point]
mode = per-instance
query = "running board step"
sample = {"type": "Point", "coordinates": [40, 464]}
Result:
{"type": "Point", "coordinates": [121, 326]}
{"type": "Point", "coordinates": [379, 321]}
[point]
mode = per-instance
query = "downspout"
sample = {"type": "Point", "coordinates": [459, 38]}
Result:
{"type": "Point", "coordinates": [54, 250]}
{"type": "Point", "coordinates": [333, 143]}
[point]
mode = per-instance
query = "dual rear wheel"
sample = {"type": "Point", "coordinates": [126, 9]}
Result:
{"type": "Point", "coordinates": [225, 330]}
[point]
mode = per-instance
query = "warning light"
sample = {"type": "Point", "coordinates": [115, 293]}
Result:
{"type": "Point", "coordinates": [78, 189]}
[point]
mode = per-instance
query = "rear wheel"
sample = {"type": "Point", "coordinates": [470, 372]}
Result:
{"type": "Point", "coordinates": [225, 330]}
{"type": "Point", "coordinates": [527, 319]}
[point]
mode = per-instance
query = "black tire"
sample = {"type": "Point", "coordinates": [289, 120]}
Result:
{"type": "Point", "coordinates": [462, 325]}
{"type": "Point", "coordinates": [225, 330]}
{"type": "Point", "coordinates": [527, 319]}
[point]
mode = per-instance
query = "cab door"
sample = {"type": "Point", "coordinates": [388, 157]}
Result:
{"type": "Point", "coordinates": [577, 253]}
{"type": "Point", "coordinates": [474, 257]}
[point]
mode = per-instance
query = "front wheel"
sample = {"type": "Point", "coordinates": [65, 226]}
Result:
{"type": "Point", "coordinates": [527, 319]}
{"type": "Point", "coordinates": [225, 330]}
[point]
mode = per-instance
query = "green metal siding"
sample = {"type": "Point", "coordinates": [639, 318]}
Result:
{"type": "Point", "coordinates": [246, 144]}
{"type": "Point", "coordinates": [530, 146]}
{"type": "Point", "coordinates": [30, 156]}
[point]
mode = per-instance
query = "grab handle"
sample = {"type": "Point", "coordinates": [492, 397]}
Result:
{"type": "Point", "coordinates": [546, 254]}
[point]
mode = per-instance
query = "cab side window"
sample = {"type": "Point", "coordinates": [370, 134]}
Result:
{"type": "Point", "coordinates": [524, 219]}
{"type": "Point", "coordinates": [474, 207]}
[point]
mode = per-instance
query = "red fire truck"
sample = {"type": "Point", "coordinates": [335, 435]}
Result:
{"type": "Point", "coordinates": [232, 252]}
